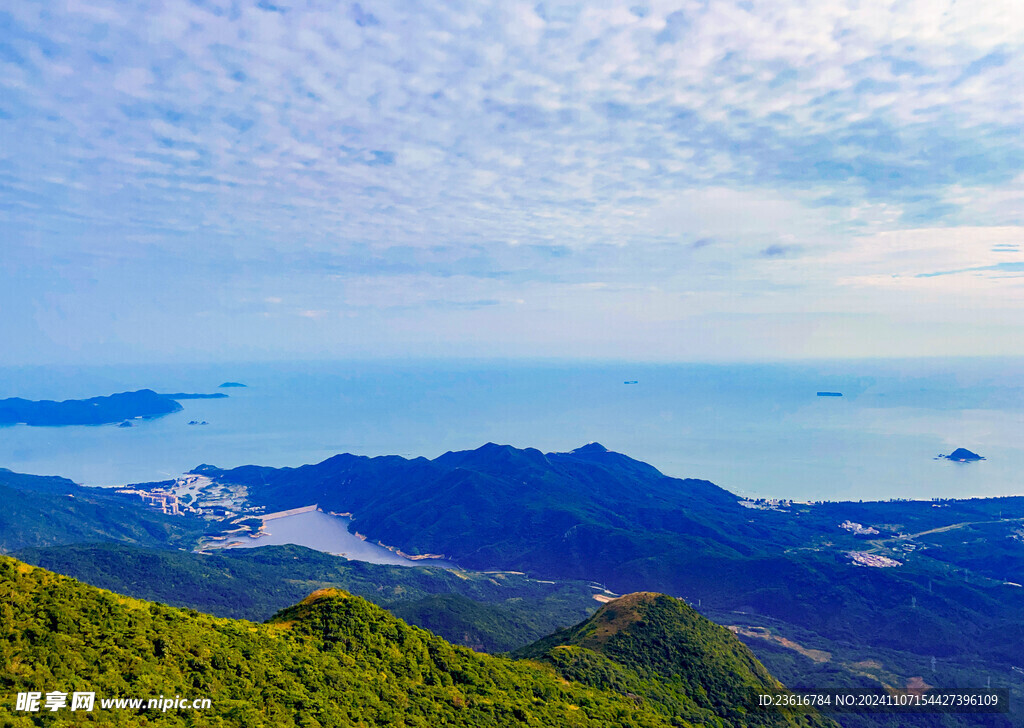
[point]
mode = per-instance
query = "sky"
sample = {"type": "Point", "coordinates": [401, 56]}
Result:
{"type": "Point", "coordinates": [210, 180]}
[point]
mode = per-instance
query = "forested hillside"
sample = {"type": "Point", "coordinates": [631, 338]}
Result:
{"type": "Point", "coordinates": [331, 660]}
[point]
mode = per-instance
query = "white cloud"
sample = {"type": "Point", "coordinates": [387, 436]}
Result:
{"type": "Point", "coordinates": [806, 144]}
{"type": "Point", "coordinates": [986, 262]}
{"type": "Point", "coordinates": [734, 215]}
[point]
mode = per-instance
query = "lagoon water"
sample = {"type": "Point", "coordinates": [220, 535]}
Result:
{"type": "Point", "coordinates": [758, 430]}
{"type": "Point", "coordinates": [324, 532]}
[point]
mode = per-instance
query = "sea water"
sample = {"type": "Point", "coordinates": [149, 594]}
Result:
{"type": "Point", "coordinates": [759, 430]}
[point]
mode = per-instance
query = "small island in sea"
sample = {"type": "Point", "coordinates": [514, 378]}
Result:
{"type": "Point", "coordinates": [963, 455]}
{"type": "Point", "coordinates": [231, 384]}
{"type": "Point", "coordinates": [830, 394]}
{"type": "Point", "coordinates": [195, 395]}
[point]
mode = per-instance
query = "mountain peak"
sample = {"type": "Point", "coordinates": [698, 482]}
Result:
{"type": "Point", "coordinates": [645, 614]}
{"type": "Point", "coordinates": [311, 613]}
{"type": "Point", "coordinates": [593, 447]}
{"type": "Point", "coordinates": [634, 600]}
{"type": "Point", "coordinates": [491, 456]}
{"type": "Point", "coordinates": [661, 639]}
{"type": "Point", "coordinates": [328, 593]}
{"type": "Point", "coordinates": [618, 615]}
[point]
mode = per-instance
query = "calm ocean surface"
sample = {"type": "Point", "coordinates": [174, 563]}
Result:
{"type": "Point", "coordinates": [758, 430]}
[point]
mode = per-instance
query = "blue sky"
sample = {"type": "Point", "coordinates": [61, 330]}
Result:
{"type": "Point", "coordinates": [669, 181]}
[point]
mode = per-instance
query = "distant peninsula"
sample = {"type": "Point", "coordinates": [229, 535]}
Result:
{"type": "Point", "coordinates": [231, 384]}
{"type": "Point", "coordinates": [963, 455]}
{"type": "Point", "coordinates": [193, 395]}
{"type": "Point", "coordinates": [144, 403]}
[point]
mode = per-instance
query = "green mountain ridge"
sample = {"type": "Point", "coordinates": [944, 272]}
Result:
{"type": "Point", "coordinates": [331, 660]}
{"type": "Point", "coordinates": [559, 514]}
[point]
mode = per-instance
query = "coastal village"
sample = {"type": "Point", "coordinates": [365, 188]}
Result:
{"type": "Point", "coordinates": [215, 502]}
{"type": "Point", "coordinates": [863, 558]}
{"type": "Point", "coordinates": [770, 504]}
{"type": "Point", "coordinates": [886, 542]}
{"type": "Point", "coordinates": [195, 494]}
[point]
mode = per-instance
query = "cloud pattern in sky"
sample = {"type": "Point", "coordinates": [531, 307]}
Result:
{"type": "Point", "coordinates": [660, 180]}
